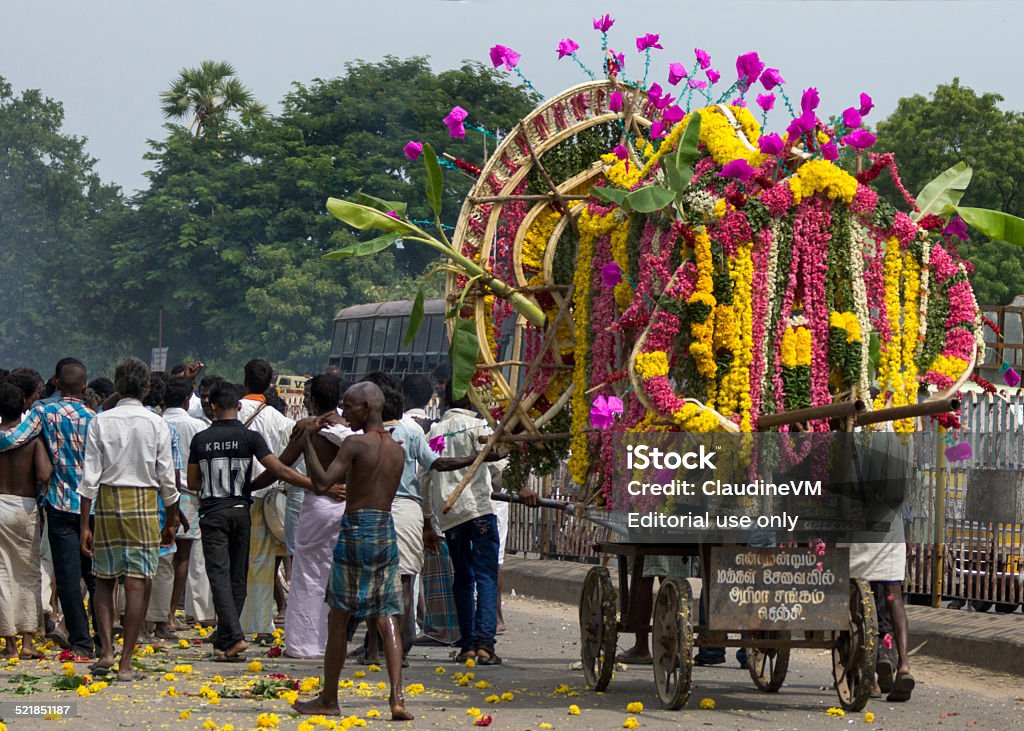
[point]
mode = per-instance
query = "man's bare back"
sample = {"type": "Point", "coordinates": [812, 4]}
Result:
{"type": "Point", "coordinates": [22, 469]}
{"type": "Point", "coordinates": [375, 462]}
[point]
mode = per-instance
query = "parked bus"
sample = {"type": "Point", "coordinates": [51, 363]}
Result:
{"type": "Point", "coordinates": [372, 338]}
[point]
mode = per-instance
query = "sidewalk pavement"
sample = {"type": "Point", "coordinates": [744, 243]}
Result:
{"type": "Point", "coordinates": [991, 641]}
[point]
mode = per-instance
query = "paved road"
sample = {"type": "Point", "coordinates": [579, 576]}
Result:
{"type": "Point", "coordinates": [538, 650]}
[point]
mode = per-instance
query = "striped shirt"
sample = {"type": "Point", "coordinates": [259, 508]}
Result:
{"type": "Point", "coordinates": [63, 425]}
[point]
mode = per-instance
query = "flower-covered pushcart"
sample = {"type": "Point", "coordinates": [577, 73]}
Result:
{"type": "Point", "coordinates": [639, 255]}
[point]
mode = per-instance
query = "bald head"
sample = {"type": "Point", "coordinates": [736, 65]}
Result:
{"type": "Point", "coordinates": [71, 379]}
{"type": "Point", "coordinates": [362, 405]}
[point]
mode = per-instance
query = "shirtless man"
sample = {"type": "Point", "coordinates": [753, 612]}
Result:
{"type": "Point", "coordinates": [21, 471]}
{"type": "Point", "coordinates": [365, 579]}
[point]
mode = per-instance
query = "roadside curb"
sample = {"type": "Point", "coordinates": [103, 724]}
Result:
{"type": "Point", "coordinates": [989, 641]}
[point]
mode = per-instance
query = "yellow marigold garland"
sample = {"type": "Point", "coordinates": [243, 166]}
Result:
{"type": "Point", "coordinates": [653, 364]}
{"type": "Point", "coordinates": [717, 135]}
{"type": "Point", "coordinates": [537, 238]}
{"type": "Point", "coordinates": [591, 228]}
{"type": "Point", "coordinates": [890, 372]}
{"type": "Point", "coordinates": [735, 392]}
{"type": "Point", "coordinates": [821, 176]}
{"type": "Point", "coordinates": [703, 332]}
{"type": "Point", "coordinates": [620, 255]}
{"type": "Point", "coordinates": [621, 173]}
{"type": "Point", "coordinates": [909, 335]}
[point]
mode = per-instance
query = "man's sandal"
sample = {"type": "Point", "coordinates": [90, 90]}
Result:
{"type": "Point", "coordinates": [488, 659]}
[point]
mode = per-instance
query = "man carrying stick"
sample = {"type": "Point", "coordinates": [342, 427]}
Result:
{"type": "Point", "coordinates": [365, 579]}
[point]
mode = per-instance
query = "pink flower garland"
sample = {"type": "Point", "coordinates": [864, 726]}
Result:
{"type": "Point", "coordinates": [759, 315]}
{"type": "Point", "coordinates": [811, 237]}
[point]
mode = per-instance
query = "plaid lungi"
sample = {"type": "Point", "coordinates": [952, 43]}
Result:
{"type": "Point", "coordinates": [365, 578]}
{"type": "Point", "coordinates": [441, 621]}
{"type": "Point", "coordinates": [126, 537]}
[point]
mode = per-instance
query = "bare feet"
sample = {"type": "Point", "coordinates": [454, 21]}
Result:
{"type": "Point", "coordinates": [30, 653]}
{"type": "Point", "coordinates": [128, 675]}
{"type": "Point", "coordinates": [398, 712]}
{"type": "Point", "coordinates": [316, 707]}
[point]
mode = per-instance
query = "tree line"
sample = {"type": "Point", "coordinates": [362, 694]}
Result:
{"type": "Point", "coordinates": [226, 238]}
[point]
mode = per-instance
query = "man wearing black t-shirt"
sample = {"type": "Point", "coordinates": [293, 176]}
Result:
{"type": "Point", "coordinates": [220, 471]}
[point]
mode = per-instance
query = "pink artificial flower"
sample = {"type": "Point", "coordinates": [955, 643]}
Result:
{"type": "Point", "coordinates": [866, 105]}
{"type": "Point", "coordinates": [739, 102]}
{"type": "Point", "coordinates": [437, 444]}
{"type": "Point", "coordinates": [654, 93]}
{"type": "Point", "coordinates": [454, 121]}
{"type": "Point", "coordinates": [648, 40]}
{"type": "Point", "coordinates": [615, 101]}
{"type": "Point", "coordinates": [713, 75]}
{"type": "Point", "coordinates": [959, 452]}
{"type": "Point", "coordinates": [393, 214]}
{"type": "Point", "coordinates": [738, 168]}
{"type": "Point", "coordinates": [413, 149]}
{"type": "Point", "coordinates": [809, 100]}
{"type": "Point", "coordinates": [676, 73]}
{"type": "Point", "coordinates": [956, 227]}
{"type": "Point", "coordinates": [766, 101]}
{"type": "Point", "coordinates": [1011, 378]}
{"type": "Point", "coordinates": [611, 274]}
{"type": "Point", "coordinates": [673, 115]}
{"type": "Point", "coordinates": [504, 56]}
{"type": "Point", "coordinates": [829, 151]}
{"type": "Point", "coordinates": [697, 84]}
{"type": "Point", "coordinates": [657, 130]}
{"type": "Point", "coordinates": [771, 78]}
{"type": "Point", "coordinates": [860, 139]}
{"type": "Point", "coordinates": [604, 410]}
{"type": "Point", "coordinates": [770, 144]}
{"type": "Point", "coordinates": [604, 23]}
{"type": "Point", "coordinates": [567, 47]}
{"type": "Point", "coordinates": [702, 57]}
{"type": "Point", "coordinates": [851, 118]}
{"type": "Point", "coordinates": [748, 67]}
{"type": "Point", "coordinates": [664, 101]}
{"type": "Point", "coordinates": [621, 152]}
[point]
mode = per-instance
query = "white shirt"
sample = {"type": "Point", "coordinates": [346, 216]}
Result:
{"type": "Point", "coordinates": [274, 426]}
{"type": "Point", "coordinates": [129, 446]}
{"type": "Point", "coordinates": [187, 426]}
{"type": "Point", "coordinates": [195, 408]}
{"type": "Point", "coordinates": [460, 428]}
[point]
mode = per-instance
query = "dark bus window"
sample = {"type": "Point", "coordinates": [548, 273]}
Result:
{"type": "Point", "coordinates": [346, 365]}
{"type": "Point", "coordinates": [365, 330]}
{"type": "Point", "coordinates": [380, 328]}
{"type": "Point", "coordinates": [349, 344]}
{"type": "Point", "coordinates": [361, 367]}
{"type": "Point", "coordinates": [419, 343]}
{"type": "Point", "coordinates": [396, 327]}
{"type": "Point", "coordinates": [402, 364]}
{"type": "Point", "coordinates": [340, 328]}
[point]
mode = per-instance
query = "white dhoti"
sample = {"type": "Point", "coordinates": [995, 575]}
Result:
{"type": "Point", "coordinates": [163, 585]}
{"type": "Point", "coordinates": [305, 620]}
{"type": "Point", "coordinates": [264, 549]}
{"type": "Point", "coordinates": [21, 607]}
{"type": "Point", "coordinates": [198, 599]}
{"type": "Point", "coordinates": [407, 515]}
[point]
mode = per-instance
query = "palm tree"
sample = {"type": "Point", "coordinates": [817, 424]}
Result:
{"type": "Point", "coordinates": [208, 94]}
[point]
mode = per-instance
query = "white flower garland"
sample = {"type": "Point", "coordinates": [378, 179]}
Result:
{"type": "Point", "coordinates": [858, 237]}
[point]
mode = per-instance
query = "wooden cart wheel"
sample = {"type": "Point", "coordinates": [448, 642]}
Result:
{"type": "Point", "coordinates": [768, 666]}
{"type": "Point", "coordinates": [856, 650]}
{"type": "Point", "coordinates": [598, 628]}
{"type": "Point", "coordinates": [672, 643]}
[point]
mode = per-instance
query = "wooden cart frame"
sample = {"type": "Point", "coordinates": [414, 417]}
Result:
{"type": "Point", "coordinates": [604, 613]}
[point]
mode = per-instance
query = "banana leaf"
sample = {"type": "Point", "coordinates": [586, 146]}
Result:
{"type": "Point", "coordinates": [415, 318]}
{"type": "Point", "coordinates": [650, 199]}
{"type": "Point", "coordinates": [365, 217]}
{"type": "Point", "coordinates": [944, 191]}
{"type": "Point", "coordinates": [365, 199]}
{"type": "Point", "coordinates": [434, 180]}
{"type": "Point", "coordinates": [463, 354]}
{"type": "Point", "coordinates": [994, 224]}
{"type": "Point", "coordinates": [363, 248]}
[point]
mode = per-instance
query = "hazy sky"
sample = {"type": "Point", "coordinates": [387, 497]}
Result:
{"type": "Point", "coordinates": [107, 60]}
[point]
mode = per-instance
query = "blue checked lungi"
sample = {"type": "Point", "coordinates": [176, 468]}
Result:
{"type": "Point", "coordinates": [441, 621]}
{"type": "Point", "coordinates": [365, 578]}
